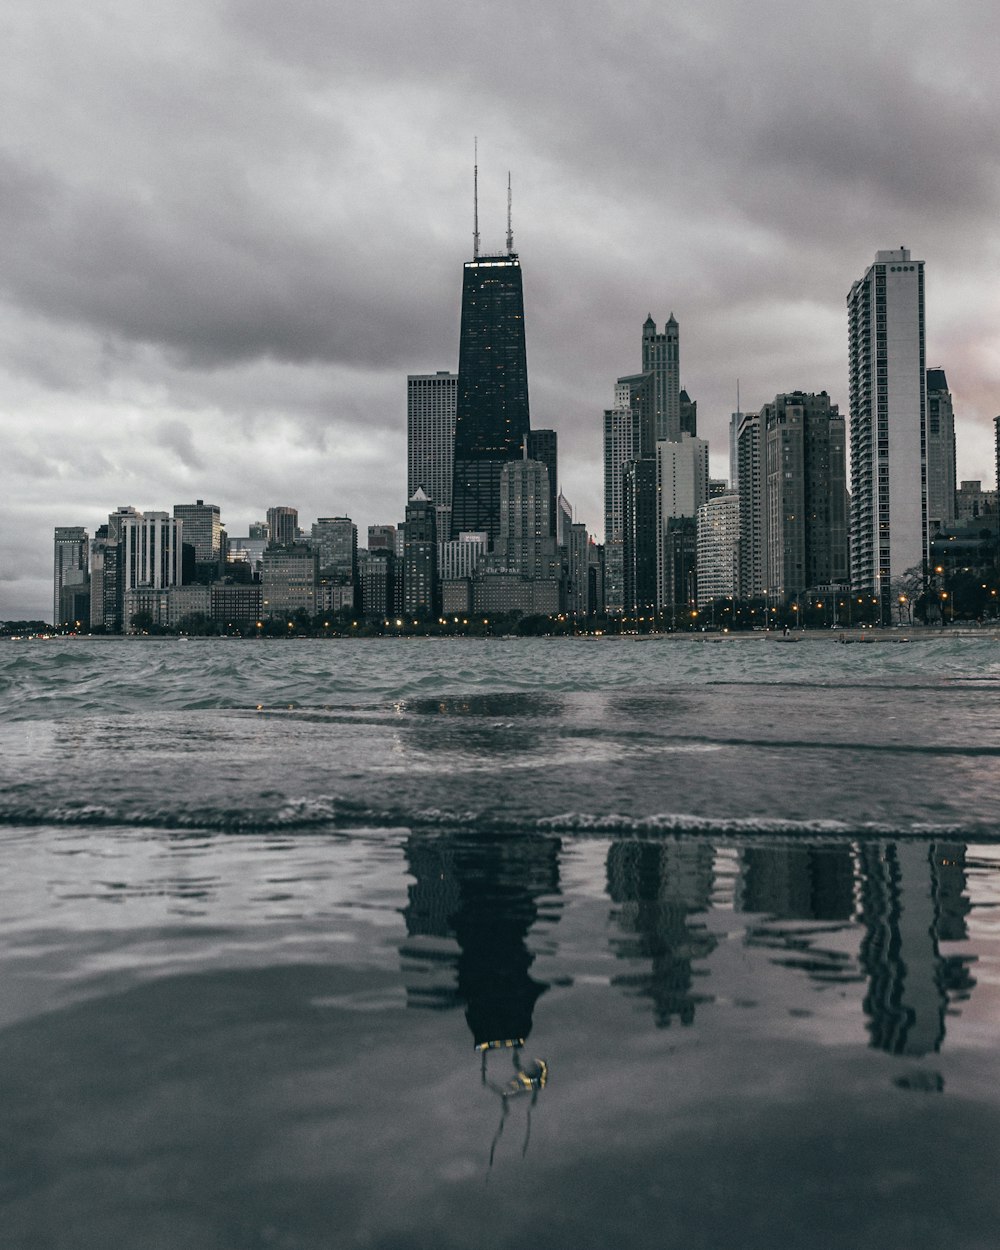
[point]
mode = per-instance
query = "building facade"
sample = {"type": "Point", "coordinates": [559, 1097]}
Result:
{"type": "Point", "coordinates": [431, 405]}
{"type": "Point", "coordinates": [718, 548]}
{"type": "Point", "coordinates": [661, 358]}
{"type": "Point", "coordinates": [804, 495]}
{"type": "Point", "coordinates": [682, 487]}
{"type": "Point", "coordinates": [941, 476]}
{"type": "Point", "coordinates": [420, 580]}
{"type": "Point", "coordinates": [282, 526]}
{"type": "Point", "coordinates": [622, 445]}
{"type": "Point", "coordinates": [288, 580]}
{"type": "Point", "coordinates": [151, 550]}
{"type": "Point", "coordinates": [202, 531]}
{"type": "Point", "coordinates": [491, 418]}
{"type": "Point", "coordinates": [71, 569]}
{"type": "Point", "coordinates": [887, 378]}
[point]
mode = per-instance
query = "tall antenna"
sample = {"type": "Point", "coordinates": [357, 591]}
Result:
{"type": "Point", "coordinates": [510, 232]}
{"type": "Point", "coordinates": [475, 198]}
{"type": "Point", "coordinates": [737, 396]}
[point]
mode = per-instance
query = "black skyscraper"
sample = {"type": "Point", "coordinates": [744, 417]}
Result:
{"type": "Point", "coordinates": [492, 415]}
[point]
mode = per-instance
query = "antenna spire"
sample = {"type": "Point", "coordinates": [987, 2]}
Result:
{"type": "Point", "coordinates": [475, 198]}
{"type": "Point", "coordinates": [510, 232]}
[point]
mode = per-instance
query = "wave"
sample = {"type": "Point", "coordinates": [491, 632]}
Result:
{"type": "Point", "coordinates": [333, 814]}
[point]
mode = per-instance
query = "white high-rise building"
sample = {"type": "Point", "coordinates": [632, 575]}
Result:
{"type": "Point", "coordinates": [151, 550]}
{"type": "Point", "coordinates": [431, 403]}
{"type": "Point", "coordinates": [888, 423]}
{"type": "Point", "coordinates": [719, 548]}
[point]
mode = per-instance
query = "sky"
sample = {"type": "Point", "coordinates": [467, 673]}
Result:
{"type": "Point", "coordinates": [231, 228]}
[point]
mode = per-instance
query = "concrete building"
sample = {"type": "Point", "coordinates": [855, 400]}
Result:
{"type": "Point", "coordinates": [888, 423]}
{"type": "Point", "coordinates": [382, 538]}
{"type": "Point", "coordinates": [640, 537]}
{"type": "Point", "coordinates": [105, 597]}
{"type": "Point", "coordinates": [543, 446]}
{"type": "Point", "coordinates": [718, 548]}
{"type": "Point", "coordinates": [460, 557]}
{"type": "Point", "coordinates": [377, 574]}
{"type": "Point", "coordinates": [578, 565]}
{"type": "Point", "coordinates": [234, 604]}
{"type": "Point", "coordinates": [151, 550]}
{"type": "Point", "coordinates": [71, 569]}
{"type": "Point", "coordinates": [431, 403]}
{"type": "Point", "coordinates": [282, 526]}
{"type": "Point", "coordinates": [682, 487]}
{"type": "Point", "coordinates": [804, 495]}
{"type": "Point", "coordinates": [525, 542]}
{"type": "Point", "coordinates": [661, 358]}
{"type": "Point", "coordinates": [941, 479]}
{"type": "Point", "coordinates": [750, 478]}
{"type": "Point", "coordinates": [288, 580]}
{"type": "Point", "coordinates": [203, 531]}
{"type": "Point", "coordinates": [973, 503]}
{"type": "Point", "coordinates": [420, 588]}
{"type": "Point", "coordinates": [622, 444]}
{"type": "Point", "coordinates": [335, 542]}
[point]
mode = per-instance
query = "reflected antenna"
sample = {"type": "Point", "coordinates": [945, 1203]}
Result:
{"type": "Point", "coordinates": [510, 232]}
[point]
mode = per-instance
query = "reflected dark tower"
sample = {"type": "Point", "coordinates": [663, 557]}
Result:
{"type": "Point", "coordinates": [485, 894]}
{"type": "Point", "coordinates": [492, 413]}
{"type": "Point", "coordinates": [797, 882]}
{"type": "Point", "coordinates": [657, 888]}
{"type": "Point", "coordinates": [801, 883]}
{"type": "Point", "coordinates": [912, 898]}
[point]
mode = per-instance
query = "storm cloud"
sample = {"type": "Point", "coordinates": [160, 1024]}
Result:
{"type": "Point", "coordinates": [232, 227]}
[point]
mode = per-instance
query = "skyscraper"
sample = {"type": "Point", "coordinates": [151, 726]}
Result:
{"type": "Point", "coordinates": [526, 540]}
{"type": "Point", "coordinates": [420, 565]}
{"type": "Point", "coordinates": [151, 550]}
{"type": "Point", "coordinates": [941, 481]}
{"type": "Point", "coordinates": [804, 494]}
{"type": "Point", "coordinates": [661, 358]}
{"type": "Point", "coordinates": [750, 485]}
{"type": "Point", "coordinates": [202, 530]}
{"type": "Point", "coordinates": [682, 487]}
{"type": "Point", "coordinates": [431, 400]}
{"type": "Point", "coordinates": [622, 444]}
{"type": "Point", "coordinates": [335, 541]}
{"type": "Point", "coordinates": [282, 525]}
{"type": "Point", "coordinates": [492, 408]}
{"type": "Point", "coordinates": [543, 446]}
{"type": "Point", "coordinates": [718, 548]}
{"type": "Point", "coordinates": [888, 423]}
{"type": "Point", "coordinates": [640, 509]}
{"type": "Point", "coordinates": [71, 565]}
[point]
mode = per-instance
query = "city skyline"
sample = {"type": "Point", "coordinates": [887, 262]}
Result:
{"type": "Point", "coordinates": [217, 289]}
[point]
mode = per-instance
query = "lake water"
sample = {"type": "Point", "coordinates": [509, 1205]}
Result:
{"type": "Point", "coordinates": [452, 943]}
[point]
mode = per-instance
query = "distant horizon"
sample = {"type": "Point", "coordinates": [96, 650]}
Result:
{"type": "Point", "coordinates": [233, 232]}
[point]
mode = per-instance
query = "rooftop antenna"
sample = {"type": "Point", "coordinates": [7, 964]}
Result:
{"type": "Point", "coordinates": [475, 198]}
{"type": "Point", "coordinates": [510, 232]}
{"type": "Point", "coordinates": [737, 397]}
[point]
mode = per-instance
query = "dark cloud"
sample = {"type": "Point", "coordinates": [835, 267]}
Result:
{"type": "Point", "coordinates": [247, 221]}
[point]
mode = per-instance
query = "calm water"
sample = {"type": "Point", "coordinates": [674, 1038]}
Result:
{"type": "Point", "coordinates": [738, 901]}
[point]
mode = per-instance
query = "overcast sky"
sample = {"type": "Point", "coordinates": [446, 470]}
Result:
{"type": "Point", "coordinates": [232, 227]}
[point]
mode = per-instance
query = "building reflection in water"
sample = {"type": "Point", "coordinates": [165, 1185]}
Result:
{"type": "Point", "coordinates": [912, 898]}
{"type": "Point", "coordinates": [473, 902]}
{"type": "Point", "coordinates": [656, 889]}
{"type": "Point", "coordinates": [790, 885]}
